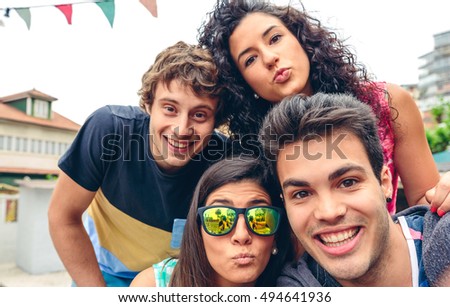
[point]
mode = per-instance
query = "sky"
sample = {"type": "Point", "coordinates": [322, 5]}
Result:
{"type": "Point", "coordinates": [89, 64]}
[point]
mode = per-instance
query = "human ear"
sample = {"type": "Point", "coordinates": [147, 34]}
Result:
{"type": "Point", "coordinates": [386, 181]}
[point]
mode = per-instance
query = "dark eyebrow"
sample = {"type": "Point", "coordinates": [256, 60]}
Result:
{"type": "Point", "coordinates": [268, 30]}
{"type": "Point", "coordinates": [336, 174]}
{"type": "Point", "coordinates": [263, 35]}
{"type": "Point", "coordinates": [345, 169]}
{"type": "Point", "coordinates": [295, 183]}
{"type": "Point", "coordinates": [259, 201]}
{"type": "Point", "coordinates": [168, 99]}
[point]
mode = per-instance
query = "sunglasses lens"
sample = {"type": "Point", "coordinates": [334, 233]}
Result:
{"type": "Point", "coordinates": [263, 220]}
{"type": "Point", "coordinates": [218, 221]}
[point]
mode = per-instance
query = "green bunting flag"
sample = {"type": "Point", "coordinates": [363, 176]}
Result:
{"type": "Point", "coordinates": [24, 13]}
{"type": "Point", "coordinates": [108, 9]}
{"type": "Point", "coordinates": [65, 6]}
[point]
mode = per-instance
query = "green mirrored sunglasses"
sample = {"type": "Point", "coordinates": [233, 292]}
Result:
{"type": "Point", "coordinates": [220, 220]}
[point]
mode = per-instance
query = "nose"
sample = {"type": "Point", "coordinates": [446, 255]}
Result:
{"type": "Point", "coordinates": [269, 58]}
{"type": "Point", "coordinates": [329, 209]}
{"type": "Point", "coordinates": [241, 234]}
{"type": "Point", "coordinates": [183, 128]}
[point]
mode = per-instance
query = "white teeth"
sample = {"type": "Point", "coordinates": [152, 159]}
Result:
{"type": "Point", "coordinates": [178, 144]}
{"type": "Point", "coordinates": [337, 239]}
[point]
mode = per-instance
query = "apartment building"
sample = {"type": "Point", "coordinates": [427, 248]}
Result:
{"type": "Point", "coordinates": [32, 136]}
{"type": "Point", "coordinates": [434, 72]}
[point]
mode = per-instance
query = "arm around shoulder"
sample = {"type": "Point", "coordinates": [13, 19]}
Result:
{"type": "Point", "coordinates": [146, 278]}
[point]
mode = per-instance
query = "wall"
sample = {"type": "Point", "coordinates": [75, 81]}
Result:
{"type": "Point", "coordinates": [35, 252]}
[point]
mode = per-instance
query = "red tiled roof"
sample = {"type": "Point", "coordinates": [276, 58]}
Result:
{"type": "Point", "coordinates": [20, 170]}
{"type": "Point", "coordinates": [31, 93]}
{"type": "Point", "coordinates": [58, 121]}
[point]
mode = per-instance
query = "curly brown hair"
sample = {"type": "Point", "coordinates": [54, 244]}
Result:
{"type": "Point", "coordinates": [334, 68]}
{"type": "Point", "coordinates": [193, 66]}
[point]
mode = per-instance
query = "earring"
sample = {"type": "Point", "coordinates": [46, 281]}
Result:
{"type": "Point", "coordinates": [274, 251]}
{"type": "Point", "coordinates": [388, 199]}
{"type": "Point", "coordinates": [256, 96]}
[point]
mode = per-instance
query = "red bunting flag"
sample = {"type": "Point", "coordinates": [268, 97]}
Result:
{"type": "Point", "coordinates": [66, 9]}
{"type": "Point", "coordinates": [65, 6]}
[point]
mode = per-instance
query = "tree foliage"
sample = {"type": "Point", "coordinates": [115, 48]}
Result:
{"type": "Point", "coordinates": [439, 137]}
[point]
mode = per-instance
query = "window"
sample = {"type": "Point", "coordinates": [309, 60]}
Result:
{"type": "Point", "coordinates": [47, 148]}
{"type": "Point", "coordinates": [39, 146]}
{"type": "Point", "coordinates": [40, 108]}
{"type": "Point", "coordinates": [9, 141]}
{"type": "Point", "coordinates": [21, 144]}
{"type": "Point", "coordinates": [18, 143]}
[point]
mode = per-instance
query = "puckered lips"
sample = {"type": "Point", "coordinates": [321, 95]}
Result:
{"type": "Point", "coordinates": [281, 75]}
{"type": "Point", "coordinates": [339, 242]}
{"type": "Point", "coordinates": [244, 258]}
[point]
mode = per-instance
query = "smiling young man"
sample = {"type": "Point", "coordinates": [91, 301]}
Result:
{"type": "Point", "coordinates": [134, 170]}
{"type": "Point", "coordinates": [329, 163]}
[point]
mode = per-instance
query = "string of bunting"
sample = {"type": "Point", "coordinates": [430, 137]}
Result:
{"type": "Point", "coordinates": [107, 6]}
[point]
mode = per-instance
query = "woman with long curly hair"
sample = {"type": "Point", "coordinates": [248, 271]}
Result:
{"type": "Point", "coordinates": [266, 52]}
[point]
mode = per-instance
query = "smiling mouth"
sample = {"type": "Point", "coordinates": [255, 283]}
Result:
{"type": "Point", "coordinates": [178, 144]}
{"type": "Point", "coordinates": [338, 238]}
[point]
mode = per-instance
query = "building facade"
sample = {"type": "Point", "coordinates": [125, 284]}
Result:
{"type": "Point", "coordinates": [32, 136]}
{"type": "Point", "coordinates": [32, 139]}
{"type": "Point", "coordinates": [434, 72]}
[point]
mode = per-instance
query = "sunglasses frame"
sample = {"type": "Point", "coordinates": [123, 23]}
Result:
{"type": "Point", "coordinates": [239, 211]}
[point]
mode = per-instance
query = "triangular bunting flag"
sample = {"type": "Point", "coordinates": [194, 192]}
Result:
{"type": "Point", "coordinates": [151, 6]}
{"type": "Point", "coordinates": [66, 9]}
{"type": "Point", "coordinates": [108, 9]}
{"type": "Point", "coordinates": [24, 13]}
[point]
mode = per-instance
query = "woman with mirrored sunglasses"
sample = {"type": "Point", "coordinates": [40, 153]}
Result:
{"type": "Point", "coordinates": [236, 233]}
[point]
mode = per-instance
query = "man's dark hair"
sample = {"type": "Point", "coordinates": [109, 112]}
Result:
{"type": "Point", "coordinates": [300, 118]}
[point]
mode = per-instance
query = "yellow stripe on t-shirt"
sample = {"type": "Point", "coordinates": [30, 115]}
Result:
{"type": "Point", "coordinates": [134, 243]}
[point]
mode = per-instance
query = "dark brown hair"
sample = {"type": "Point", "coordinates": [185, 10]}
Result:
{"type": "Point", "coordinates": [302, 118]}
{"type": "Point", "coordinates": [193, 268]}
{"type": "Point", "coordinates": [334, 68]}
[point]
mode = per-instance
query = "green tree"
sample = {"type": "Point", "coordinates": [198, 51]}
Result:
{"type": "Point", "coordinates": [441, 110]}
{"type": "Point", "coordinates": [439, 138]}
